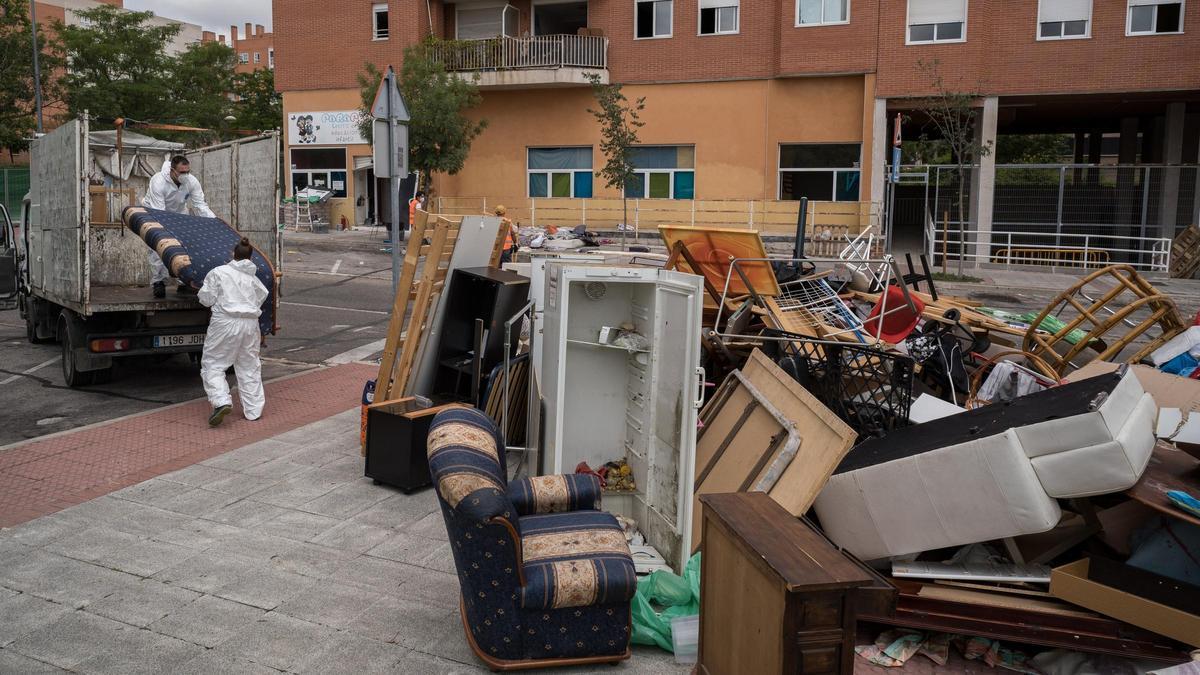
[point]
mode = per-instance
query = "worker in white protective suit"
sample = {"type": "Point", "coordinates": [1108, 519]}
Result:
{"type": "Point", "coordinates": [173, 189]}
{"type": "Point", "coordinates": [236, 297]}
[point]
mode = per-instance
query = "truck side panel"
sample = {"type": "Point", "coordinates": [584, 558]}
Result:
{"type": "Point", "coordinates": [57, 266]}
{"type": "Point", "coordinates": [240, 181]}
{"type": "Point", "coordinates": [118, 257]}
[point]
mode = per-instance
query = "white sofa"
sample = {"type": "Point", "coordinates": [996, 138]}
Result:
{"type": "Point", "coordinates": [989, 473]}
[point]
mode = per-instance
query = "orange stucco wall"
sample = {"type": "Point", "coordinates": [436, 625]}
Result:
{"type": "Point", "coordinates": [735, 126]}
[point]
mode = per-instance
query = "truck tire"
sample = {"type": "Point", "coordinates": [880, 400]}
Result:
{"type": "Point", "coordinates": [70, 333]}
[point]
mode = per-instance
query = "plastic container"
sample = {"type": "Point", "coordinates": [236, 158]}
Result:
{"type": "Point", "coordinates": [685, 636]}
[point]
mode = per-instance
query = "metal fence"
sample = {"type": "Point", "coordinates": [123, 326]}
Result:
{"type": "Point", "coordinates": [14, 183]}
{"type": "Point", "coordinates": [540, 51]}
{"type": "Point", "coordinates": [1049, 213]}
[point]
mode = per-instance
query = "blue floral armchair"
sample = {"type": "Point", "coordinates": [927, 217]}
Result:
{"type": "Point", "coordinates": [546, 578]}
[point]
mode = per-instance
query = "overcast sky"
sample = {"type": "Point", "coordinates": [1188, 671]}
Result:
{"type": "Point", "coordinates": [214, 15]}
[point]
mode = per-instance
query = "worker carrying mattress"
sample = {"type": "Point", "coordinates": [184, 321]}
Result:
{"type": "Point", "coordinates": [191, 246]}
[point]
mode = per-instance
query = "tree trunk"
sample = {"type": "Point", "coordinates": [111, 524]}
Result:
{"type": "Point", "coordinates": [625, 220]}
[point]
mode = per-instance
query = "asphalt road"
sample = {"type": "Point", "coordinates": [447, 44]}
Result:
{"type": "Point", "coordinates": [334, 305]}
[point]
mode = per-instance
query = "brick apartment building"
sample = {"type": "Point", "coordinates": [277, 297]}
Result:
{"type": "Point", "coordinates": [255, 48]}
{"type": "Point", "coordinates": [749, 99]}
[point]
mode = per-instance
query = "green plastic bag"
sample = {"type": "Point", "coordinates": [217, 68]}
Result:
{"type": "Point", "coordinates": [676, 595]}
{"type": "Point", "coordinates": [1049, 324]}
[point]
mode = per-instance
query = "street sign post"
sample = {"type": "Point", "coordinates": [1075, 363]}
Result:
{"type": "Point", "coordinates": [390, 149]}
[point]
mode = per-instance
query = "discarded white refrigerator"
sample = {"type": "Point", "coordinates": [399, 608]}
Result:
{"type": "Point", "coordinates": [605, 402]}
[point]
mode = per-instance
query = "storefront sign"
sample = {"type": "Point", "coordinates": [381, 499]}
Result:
{"type": "Point", "coordinates": [339, 127]}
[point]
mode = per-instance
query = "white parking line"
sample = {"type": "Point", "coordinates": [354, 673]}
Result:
{"type": "Point", "coordinates": [340, 309]}
{"type": "Point", "coordinates": [34, 369]}
{"type": "Point", "coordinates": [358, 353]}
{"type": "Point", "coordinates": [336, 265]}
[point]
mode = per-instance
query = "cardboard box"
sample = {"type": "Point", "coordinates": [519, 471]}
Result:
{"type": "Point", "coordinates": [1071, 583]}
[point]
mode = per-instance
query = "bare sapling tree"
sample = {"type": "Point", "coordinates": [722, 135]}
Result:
{"type": "Point", "coordinates": [619, 123]}
{"type": "Point", "coordinates": [955, 114]}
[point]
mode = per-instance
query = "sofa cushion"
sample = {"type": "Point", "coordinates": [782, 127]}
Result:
{"type": "Point", "coordinates": [553, 494]}
{"type": "Point", "coordinates": [575, 559]}
{"type": "Point", "coordinates": [464, 455]}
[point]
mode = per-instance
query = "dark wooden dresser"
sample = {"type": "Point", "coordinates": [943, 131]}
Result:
{"type": "Point", "coordinates": [776, 596]}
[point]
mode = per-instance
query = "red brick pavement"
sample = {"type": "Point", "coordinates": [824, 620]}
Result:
{"type": "Point", "coordinates": [49, 474]}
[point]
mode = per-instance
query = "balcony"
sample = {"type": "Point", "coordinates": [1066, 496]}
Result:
{"type": "Point", "coordinates": [522, 63]}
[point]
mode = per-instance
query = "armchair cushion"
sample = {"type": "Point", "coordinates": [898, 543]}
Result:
{"type": "Point", "coordinates": [553, 494]}
{"type": "Point", "coordinates": [464, 461]}
{"type": "Point", "coordinates": [575, 559]}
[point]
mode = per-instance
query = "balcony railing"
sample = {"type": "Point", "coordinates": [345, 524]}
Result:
{"type": "Point", "coordinates": [538, 52]}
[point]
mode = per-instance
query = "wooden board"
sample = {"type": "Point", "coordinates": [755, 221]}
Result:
{"type": "Point", "coordinates": [1169, 469]}
{"type": "Point", "coordinates": [743, 438]}
{"type": "Point", "coordinates": [713, 248]}
{"type": "Point", "coordinates": [826, 438]}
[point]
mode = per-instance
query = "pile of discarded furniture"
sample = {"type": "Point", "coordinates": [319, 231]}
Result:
{"type": "Point", "coordinates": [868, 468]}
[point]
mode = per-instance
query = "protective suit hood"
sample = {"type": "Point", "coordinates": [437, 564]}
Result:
{"type": "Point", "coordinates": [244, 266]}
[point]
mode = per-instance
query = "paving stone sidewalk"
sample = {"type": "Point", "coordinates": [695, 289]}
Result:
{"type": "Point", "coordinates": [278, 556]}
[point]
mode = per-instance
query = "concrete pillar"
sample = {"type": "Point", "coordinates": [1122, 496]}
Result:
{"type": "Point", "coordinates": [881, 144]}
{"type": "Point", "coordinates": [1172, 154]}
{"type": "Point", "coordinates": [983, 179]}
{"type": "Point", "coordinates": [1095, 148]}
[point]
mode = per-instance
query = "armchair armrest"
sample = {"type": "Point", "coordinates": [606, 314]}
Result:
{"type": "Point", "coordinates": [551, 494]}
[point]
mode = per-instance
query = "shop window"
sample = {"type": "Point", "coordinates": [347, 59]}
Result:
{"type": "Point", "coordinates": [652, 18]}
{"type": "Point", "coordinates": [1064, 19]}
{"type": "Point", "coordinates": [379, 18]}
{"type": "Point", "coordinates": [323, 168]}
{"type": "Point", "coordinates": [1151, 17]}
{"type": "Point", "coordinates": [937, 21]}
{"type": "Point", "coordinates": [821, 12]}
{"type": "Point", "coordinates": [486, 22]}
{"type": "Point", "coordinates": [718, 17]}
{"type": "Point", "coordinates": [826, 172]}
{"type": "Point", "coordinates": [560, 172]}
{"type": "Point", "coordinates": [663, 172]}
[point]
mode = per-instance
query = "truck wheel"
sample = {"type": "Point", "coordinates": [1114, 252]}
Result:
{"type": "Point", "coordinates": [70, 339]}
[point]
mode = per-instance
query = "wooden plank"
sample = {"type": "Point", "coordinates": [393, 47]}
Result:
{"type": "Point", "coordinates": [826, 438]}
{"type": "Point", "coordinates": [383, 381]}
{"type": "Point", "coordinates": [421, 307]}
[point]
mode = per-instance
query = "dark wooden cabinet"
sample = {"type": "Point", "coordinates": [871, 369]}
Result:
{"type": "Point", "coordinates": [471, 344]}
{"type": "Point", "coordinates": [396, 432]}
{"type": "Point", "coordinates": [776, 596]}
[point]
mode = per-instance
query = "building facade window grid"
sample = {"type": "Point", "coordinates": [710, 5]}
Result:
{"type": "Point", "coordinates": [1064, 19]}
{"type": "Point", "coordinates": [653, 19]}
{"type": "Point", "coordinates": [559, 172]}
{"type": "Point", "coordinates": [258, 57]}
{"type": "Point", "coordinates": [379, 21]}
{"type": "Point", "coordinates": [719, 17]}
{"type": "Point", "coordinates": [1154, 17]}
{"type": "Point", "coordinates": [820, 171]}
{"type": "Point", "coordinates": [930, 21]}
{"type": "Point", "coordinates": [663, 172]}
{"type": "Point", "coordinates": [822, 12]}
{"type": "Point", "coordinates": [244, 57]}
{"type": "Point", "coordinates": [270, 58]}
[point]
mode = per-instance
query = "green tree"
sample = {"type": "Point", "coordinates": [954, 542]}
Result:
{"type": "Point", "coordinates": [619, 123]}
{"type": "Point", "coordinates": [17, 115]}
{"type": "Point", "coordinates": [954, 114]}
{"type": "Point", "coordinates": [439, 133]}
{"type": "Point", "coordinates": [259, 107]}
{"type": "Point", "coordinates": [200, 81]}
{"type": "Point", "coordinates": [119, 65]}
{"type": "Point", "coordinates": [368, 84]}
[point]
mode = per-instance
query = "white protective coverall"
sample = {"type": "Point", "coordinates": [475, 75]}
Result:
{"type": "Point", "coordinates": [165, 195]}
{"type": "Point", "coordinates": [235, 296]}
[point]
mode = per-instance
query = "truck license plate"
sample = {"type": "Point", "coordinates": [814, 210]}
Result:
{"type": "Point", "coordinates": [179, 340]}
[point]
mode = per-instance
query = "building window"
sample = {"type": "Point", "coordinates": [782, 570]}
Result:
{"type": "Point", "coordinates": [652, 18]}
{"type": "Point", "coordinates": [1151, 17]}
{"type": "Point", "coordinates": [271, 58]}
{"type": "Point", "coordinates": [258, 57]}
{"type": "Point", "coordinates": [1064, 19]}
{"type": "Point", "coordinates": [244, 57]}
{"type": "Point", "coordinates": [718, 17]}
{"type": "Point", "coordinates": [937, 21]}
{"type": "Point", "coordinates": [663, 172]}
{"type": "Point", "coordinates": [320, 168]}
{"type": "Point", "coordinates": [486, 22]}
{"type": "Point", "coordinates": [560, 172]}
{"type": "Point", "coordinates": [379, 14]}
{"type": "Point", "coordinates": [820, 12]}
{"type": "Point", "coordinates": [824, 172]}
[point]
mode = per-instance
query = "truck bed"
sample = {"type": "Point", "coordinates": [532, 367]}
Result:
{"type": "Point", "coordinates": [137, 298]}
